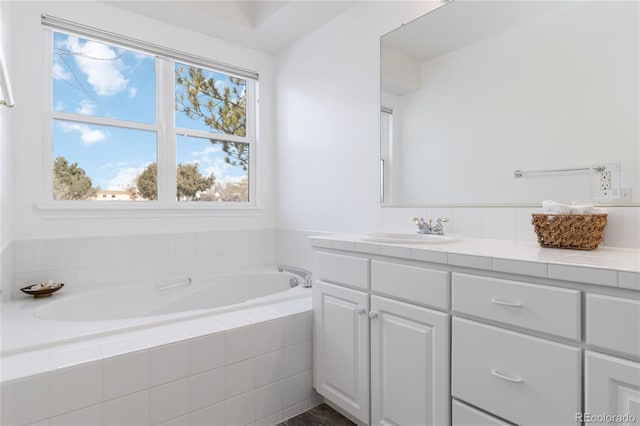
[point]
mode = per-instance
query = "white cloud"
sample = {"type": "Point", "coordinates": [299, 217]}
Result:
{"type": "Point", "coordinates": [60, 72]}
{"type": "Point", "coordinates": [86, 107]}
{"type": "Point", "coordinates": [88, 135]}
{"type": "Point", "coordinates": [124, 176]}
{"type": "Point", "coordinates": [224, 172]}
{"type": "Point", "coordinates": [132, 92]}
{"type": "Point", "coordinates": [100, 64]}
{"type": "Point", "coordinates": [220, 85]}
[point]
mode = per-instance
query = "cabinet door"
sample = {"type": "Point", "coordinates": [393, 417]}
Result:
{"type": "Point", "coordinates": [341, 339]}
{"type": "Point", "coordinates": [409, 364]}
{"type": "Point", "coordinates": [612, 387]}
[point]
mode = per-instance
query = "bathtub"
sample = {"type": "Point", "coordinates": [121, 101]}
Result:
{"type": "Point", "coordinates": [230, 349]}
{"type": "Point", "coordinates": [29, 323]}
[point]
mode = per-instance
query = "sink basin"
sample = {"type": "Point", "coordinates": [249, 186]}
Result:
{"type": "Point", "coordinates": [407, 238]}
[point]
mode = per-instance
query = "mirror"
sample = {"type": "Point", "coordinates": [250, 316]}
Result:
{"type": "Point", "coordinates": [474, 91]}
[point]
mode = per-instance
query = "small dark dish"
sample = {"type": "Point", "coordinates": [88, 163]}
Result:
{"type": "Point", "coordinates": [43, 292]}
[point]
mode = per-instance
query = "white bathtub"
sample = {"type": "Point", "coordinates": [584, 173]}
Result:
{"type": "Point", "coordinates": [139, 354]}
{"type": "Point", "coordinates": [29, 323]}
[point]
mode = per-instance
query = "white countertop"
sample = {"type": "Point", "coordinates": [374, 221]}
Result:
{"type": "Point", "coordinates": [614, 267]}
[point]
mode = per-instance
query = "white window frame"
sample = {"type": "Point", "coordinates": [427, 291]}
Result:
{"type": "Point", "coordinates": [164, 128]}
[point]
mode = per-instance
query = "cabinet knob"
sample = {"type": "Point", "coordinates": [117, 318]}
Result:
{"type": "Point", "coordinates": [373, 315]}
{"type": "Point", "coordinates": [361, 311]}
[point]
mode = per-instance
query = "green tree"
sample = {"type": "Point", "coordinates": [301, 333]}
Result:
{"type": "Point", "coordinates": [147, 182]}
{"type": "Point", "coordinates": [189, 182]}
{"type": "Point", "coordinates": [71, 182]}
{"type": "Point", "coordinates": [225, 111]}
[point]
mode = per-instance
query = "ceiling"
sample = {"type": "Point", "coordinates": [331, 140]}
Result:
{"type": "Point", "coordinates": [459, 23]}
{"type": "Point", "coordinates": [267, 26]}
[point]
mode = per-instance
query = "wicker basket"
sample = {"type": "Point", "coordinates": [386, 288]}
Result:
{"type": "Point", "coordinates": [572, 231]}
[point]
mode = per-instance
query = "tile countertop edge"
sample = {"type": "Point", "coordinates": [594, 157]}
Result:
{"type": "Point", "coordinates": [613, 266]}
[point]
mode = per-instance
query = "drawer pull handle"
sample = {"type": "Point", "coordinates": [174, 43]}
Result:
{"type": "Point", "coordinates": [505, 303]}
{"type": "Point", "coordinates": [507, 378]}
{"type": "Point", "coordinates": [361, 311]}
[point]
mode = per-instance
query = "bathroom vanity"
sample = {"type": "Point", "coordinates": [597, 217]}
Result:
{"type": "Point", "coordinates": [476, 332]}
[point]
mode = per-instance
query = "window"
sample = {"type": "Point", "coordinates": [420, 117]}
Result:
{"type": "Point", "coordinates": [133, 122]}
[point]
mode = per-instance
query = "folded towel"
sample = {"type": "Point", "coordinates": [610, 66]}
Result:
{"type": "Point", "coordinates": [552, 207]}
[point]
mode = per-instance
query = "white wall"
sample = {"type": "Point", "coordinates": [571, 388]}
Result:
{"type": "Point", "coordinates": [328, 108]}
{"type": "Point", "coordinates": [6, 125]}
{"type": "Point", "coordinates": [27, 69]}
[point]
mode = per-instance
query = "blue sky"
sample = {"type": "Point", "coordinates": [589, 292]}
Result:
{"type": "Point", "coordinates": [106, 81]}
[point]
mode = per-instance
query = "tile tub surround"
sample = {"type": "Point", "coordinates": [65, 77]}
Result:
{"type": "Point", "coordinates": [85, 264]}
{"type": "Point", "coordinates": [605, 266]}
{"type": "Point", "coordinates": [232, 369]}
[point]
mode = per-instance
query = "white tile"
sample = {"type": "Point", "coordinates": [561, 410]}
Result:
{"type": "Point", "coordinates": [630, 280]}
{"type": "Point", "coordinates": [118, 274]}
{"type": "Point", "coordinates": [121, 344]}
{"type": "Point", "coordinates": [392, 219]}
{"type": "Point", "coordinates": [297, 388]}
{"type": "Point", "coordinates": [269, 368]}
{"type": "Point", "coordinates": [24, 364]}
{"type": "Point", "coordinates": [141, 249]}
{"type": "Point", "coordinates": [271, 420]}
{"type": "Point", "coordinates": [269, 400]}
{"type": "Point", "coordinates": [67, 276]}
{"type": "Point", "coordinates": [365, 247]}
{"type": "Point", "coordinates": [606, 277]}
{"type": "Point", "coordinates": [536, 269]}
{"type": "Point", "coordinates": [429, 255]}
{"type": "Point", "coordinates": [395, 251]}
{"type": "Point", "coordinates": [296, 409]}
{"type": "Point", "coordinates": [205, 245]}
{"type": "Point", "coordinates": [206, 353]}
{"type": "Point", "coordinates": [288, 308]}
{"type": "Point", "coordinates": [61, 256]}
{"type": "Point", "coordinates": [316, 399]}
{"type": "Point", "coordinates": [344, 245]}
{"type": "Point", "coordinates": [623, 227]}
{"type": "Point", "coordinates": [179, 421]}
{"type": "Point", "coordinates": [90, 253]}
{"type": "Point", "coordinates": [130, 410]}
{"type": "Point", "coordinates": [297, 328]}
{"type": "Point", "coordinates": [76, 387]}
{"type": "Point", "coordinates": [467, 222]}
{"type": "Point", "coordinates": [232, 321]}
{"type": "Point", "coordinates": [239, 378]}
{"type": "Point", "coordinates": [126, 374]}
{"type": "Point", "coordinates": [168, 363]}
{"type": "Point", "coordinates": [25, 401]}
{"type": "Point", "coordinates": [525, 230]}
{"type": "Point", "coordinates": [260, 314]}
{"type": "Point", "coordinates": [209, 416]}
{"type": "Point", "coordinates": [185, 267]}
{"type": "Point", "coordinates": [239, 344]}
{"type": "Point", "coordinates": [185, 246]}
{"type": "Point", "coordinates": [90, 279]}
{"type": "Point", "coordinates": [29, 258]}
{"type": "Point", "coordinates": [269, 336]}
{"type": "Point", "coordinates": [237, 411]}
{"type": "Point", "coordinates": [116, 251]}
{"type": "Point", "coordinates": [499, 223]}
{"type": "Point", "coordinates": [90, 416]}
{"type": "Point", "coordinates": [169, 401]}
{"type": "Point", "coordinates": [163, 269]}
{"type": "Point", "coordinates": [164, 247]}
{"type": "Point", "coordinates": [74, 354]}
{"type": "Point", "coordinates": [45, 422]}
{"type": "Point", "coordinates": [470, 261]}
{"type": "Point", "coordinates": [163, 335]}
{"type": "Point", "coordinates": [297, 358]}
{"type": "Point", "coordinates": [207, 388]}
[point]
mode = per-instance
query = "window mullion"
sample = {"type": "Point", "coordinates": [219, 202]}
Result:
{"type": "Point", "coordinates": [167, 134]}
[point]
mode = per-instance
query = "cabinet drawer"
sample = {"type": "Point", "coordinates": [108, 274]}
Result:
{"type": "Point", "coordinates": [341, 269]}
{"type": "Point", "coordinates": [523, 379]}
{"type": "Point", "coordinates": [465, 415]}
{"type": "Point", "coordinates": [536, 307]}
{"type": "Point", "coordinates": [613, 323]}
{"type": "Point", "coordinates": [421, 285]}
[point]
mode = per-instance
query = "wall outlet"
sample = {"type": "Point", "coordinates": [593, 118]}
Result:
{"type": "Point", "coordinates": [605, 180]}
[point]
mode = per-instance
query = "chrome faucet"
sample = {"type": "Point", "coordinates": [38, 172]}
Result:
{"type": "Point", "coordinates": [429, 228]}
{"type": "Point", "coordinates": [302, 273]}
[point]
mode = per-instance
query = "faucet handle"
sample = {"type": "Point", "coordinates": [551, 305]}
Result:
{"type": "Point", "coordinates": [442, 219]}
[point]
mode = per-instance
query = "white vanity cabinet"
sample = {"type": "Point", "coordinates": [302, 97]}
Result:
{"type": "Point", "coordinates": [408, 336]}
{"type": "Point", "coordinates": [407, 380]}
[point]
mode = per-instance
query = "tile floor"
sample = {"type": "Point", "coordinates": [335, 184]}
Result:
{"type": "Point", "coordinates": [322, 415]}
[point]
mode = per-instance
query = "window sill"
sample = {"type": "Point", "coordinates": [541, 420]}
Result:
{"type": "Point", "coordinates": [82, 210]}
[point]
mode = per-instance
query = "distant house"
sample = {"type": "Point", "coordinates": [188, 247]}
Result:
{"type": "Point", "coordinates": [112, 195]}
